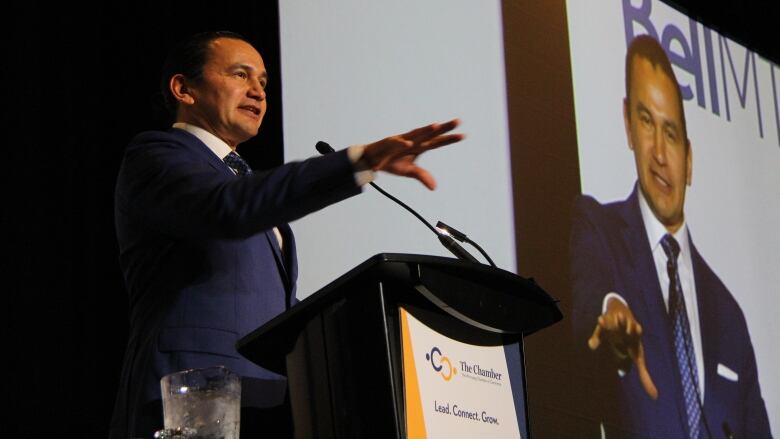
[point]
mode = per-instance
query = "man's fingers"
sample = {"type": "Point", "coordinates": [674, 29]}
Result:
{"type": "Point", "coordinates": [426, 132]}
{"type": "Point", "coordinates": [620, 318]}
{"type": "Point", "coordinates": [417, 133]}
{"type": "Point", "coordinates": [378, 154]}
{"type": "Point", "coordinates": [425, 178]}
{"type": "Point", "coordinates": [644, 374]}
{"type": "Point", "coordinates": [439, 141]}
{"type": "Point", "coordinates": [623, 333]}
{"type": "Point", "coordinates": [438, 129]}
{"type": "Point", "coordinates": [396, 154]}
{"type": "Point", "coordinates": [618, 329]}
{"type": "Point", "coordinates": [612, 322]}
{"type": "Point", "coordinates": [595, 340]}
{"type": "Point", "coordinates": [633, 329]}
{"type": "Point", "coordinates": [413, 171]}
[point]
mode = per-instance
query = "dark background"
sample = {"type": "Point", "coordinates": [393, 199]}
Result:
{"type": "Point", "coordinates": [80, 81]}
{"type": "Point", "coordinates": [83, 80]}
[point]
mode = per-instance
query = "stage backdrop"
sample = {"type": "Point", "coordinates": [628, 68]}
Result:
{"type": "Point", "coordinates": [730, 95]}
{"type": "Point", "coordinates": [354, 72]}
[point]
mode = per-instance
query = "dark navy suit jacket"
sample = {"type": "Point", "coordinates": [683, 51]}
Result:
{"type": "Point", "coordinates": [201, 264]}
{"type": "Point", "coordinates": [610, 252]}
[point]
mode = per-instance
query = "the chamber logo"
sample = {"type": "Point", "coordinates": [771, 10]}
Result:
{"type": "Point", "coordinates": [441, 364]}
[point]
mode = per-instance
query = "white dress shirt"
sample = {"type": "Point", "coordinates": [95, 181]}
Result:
{"type": "Point", "coordinates": [655, 232]}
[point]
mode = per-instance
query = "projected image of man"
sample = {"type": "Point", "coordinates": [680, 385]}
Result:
{"type": "Point", "coordinates": [667, 342]}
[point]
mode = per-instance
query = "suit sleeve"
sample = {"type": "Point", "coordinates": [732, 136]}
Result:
{"type": "Point", "coordinates": [755, 415]}
{"type": "Point", "coordinates": [179, 194]}
{"type": "Point", "coordinates": [592, 272]}
{"type": "Point", "coordinates": [592, 277]}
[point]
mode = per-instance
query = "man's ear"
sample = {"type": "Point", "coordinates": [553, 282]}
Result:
{"type": "Point", "coordinates": [180, 90]}
{"type": "Point", "coordinates": [627, 122]}
{"type": "Point", "coordinates": [689, 163]}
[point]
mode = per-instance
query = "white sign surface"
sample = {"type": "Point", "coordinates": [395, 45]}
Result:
{"type": "Point", "coordinates": [453, 389]}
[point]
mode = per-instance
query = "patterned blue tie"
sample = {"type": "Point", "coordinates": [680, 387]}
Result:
{"type": "Point", "coordinates": [237, 163]}
{"type": "Point", "coordinates": [683, 344]}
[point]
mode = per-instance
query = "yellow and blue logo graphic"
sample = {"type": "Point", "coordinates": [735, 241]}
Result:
{"type": "Point", "coordinates": [441, 364]}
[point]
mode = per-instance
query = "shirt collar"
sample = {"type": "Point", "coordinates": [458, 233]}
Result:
{"type": "Point", "coordinates": [655, 230]}
{"type": "Point", "coordinates": [215, 144]}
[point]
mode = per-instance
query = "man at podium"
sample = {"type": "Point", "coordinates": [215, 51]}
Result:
{"type": "Point", "coordinates": [205, 248]}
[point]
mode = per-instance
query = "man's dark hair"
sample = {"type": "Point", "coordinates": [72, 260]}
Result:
{"type": "Point", "coordinates": [188, 58]}
{"type": "Point", "coordinates": [648, 48]}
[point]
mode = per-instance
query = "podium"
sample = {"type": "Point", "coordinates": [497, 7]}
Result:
{"type": "Point", "coordinates": [342, 348]}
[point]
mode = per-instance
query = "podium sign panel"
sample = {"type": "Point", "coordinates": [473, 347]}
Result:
{"type": "Point", "coordinates": [458, 390]}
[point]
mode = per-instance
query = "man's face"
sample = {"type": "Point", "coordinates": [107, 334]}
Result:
{"type": "Point", "coordinates": [654, 127]}
{"type": "Point", "coordinates": [229, 101]}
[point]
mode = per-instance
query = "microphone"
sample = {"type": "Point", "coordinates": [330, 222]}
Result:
{"type": "Point", "coordinates": [460, 236]}
{"type": "Point", "coordinates": [324, 148]}
{"type": "Point", "coordinates": [444, 237]}
{"type": "Point", "coordinates": [449, 243]}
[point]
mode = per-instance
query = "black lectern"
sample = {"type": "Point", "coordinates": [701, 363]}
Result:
{"type": "Point", "coordinates": [341, 347]}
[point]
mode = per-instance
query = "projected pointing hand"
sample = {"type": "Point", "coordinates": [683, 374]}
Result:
{"type": "Point", "coordinates": [623, 334]}
{"type": "Point", "coordinates": [397, 154]}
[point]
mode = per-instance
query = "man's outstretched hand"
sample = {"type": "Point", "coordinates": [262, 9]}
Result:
{"type": "Point", "coordinates": [623, 333]}
{"type": "Point", "coordinates": [397, 154]}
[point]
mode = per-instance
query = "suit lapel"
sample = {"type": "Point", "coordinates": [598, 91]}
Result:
{"type": "Point", "coordinates": [708, 327]}
{"type": "Point", "coordinates": [290, 255]}
{"type": "Point", "coordinates": [286, 261]}
{"type": "Point", "coordinates": [200, 148]}
{"type": "Point", "coordinates": [274, 243]}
